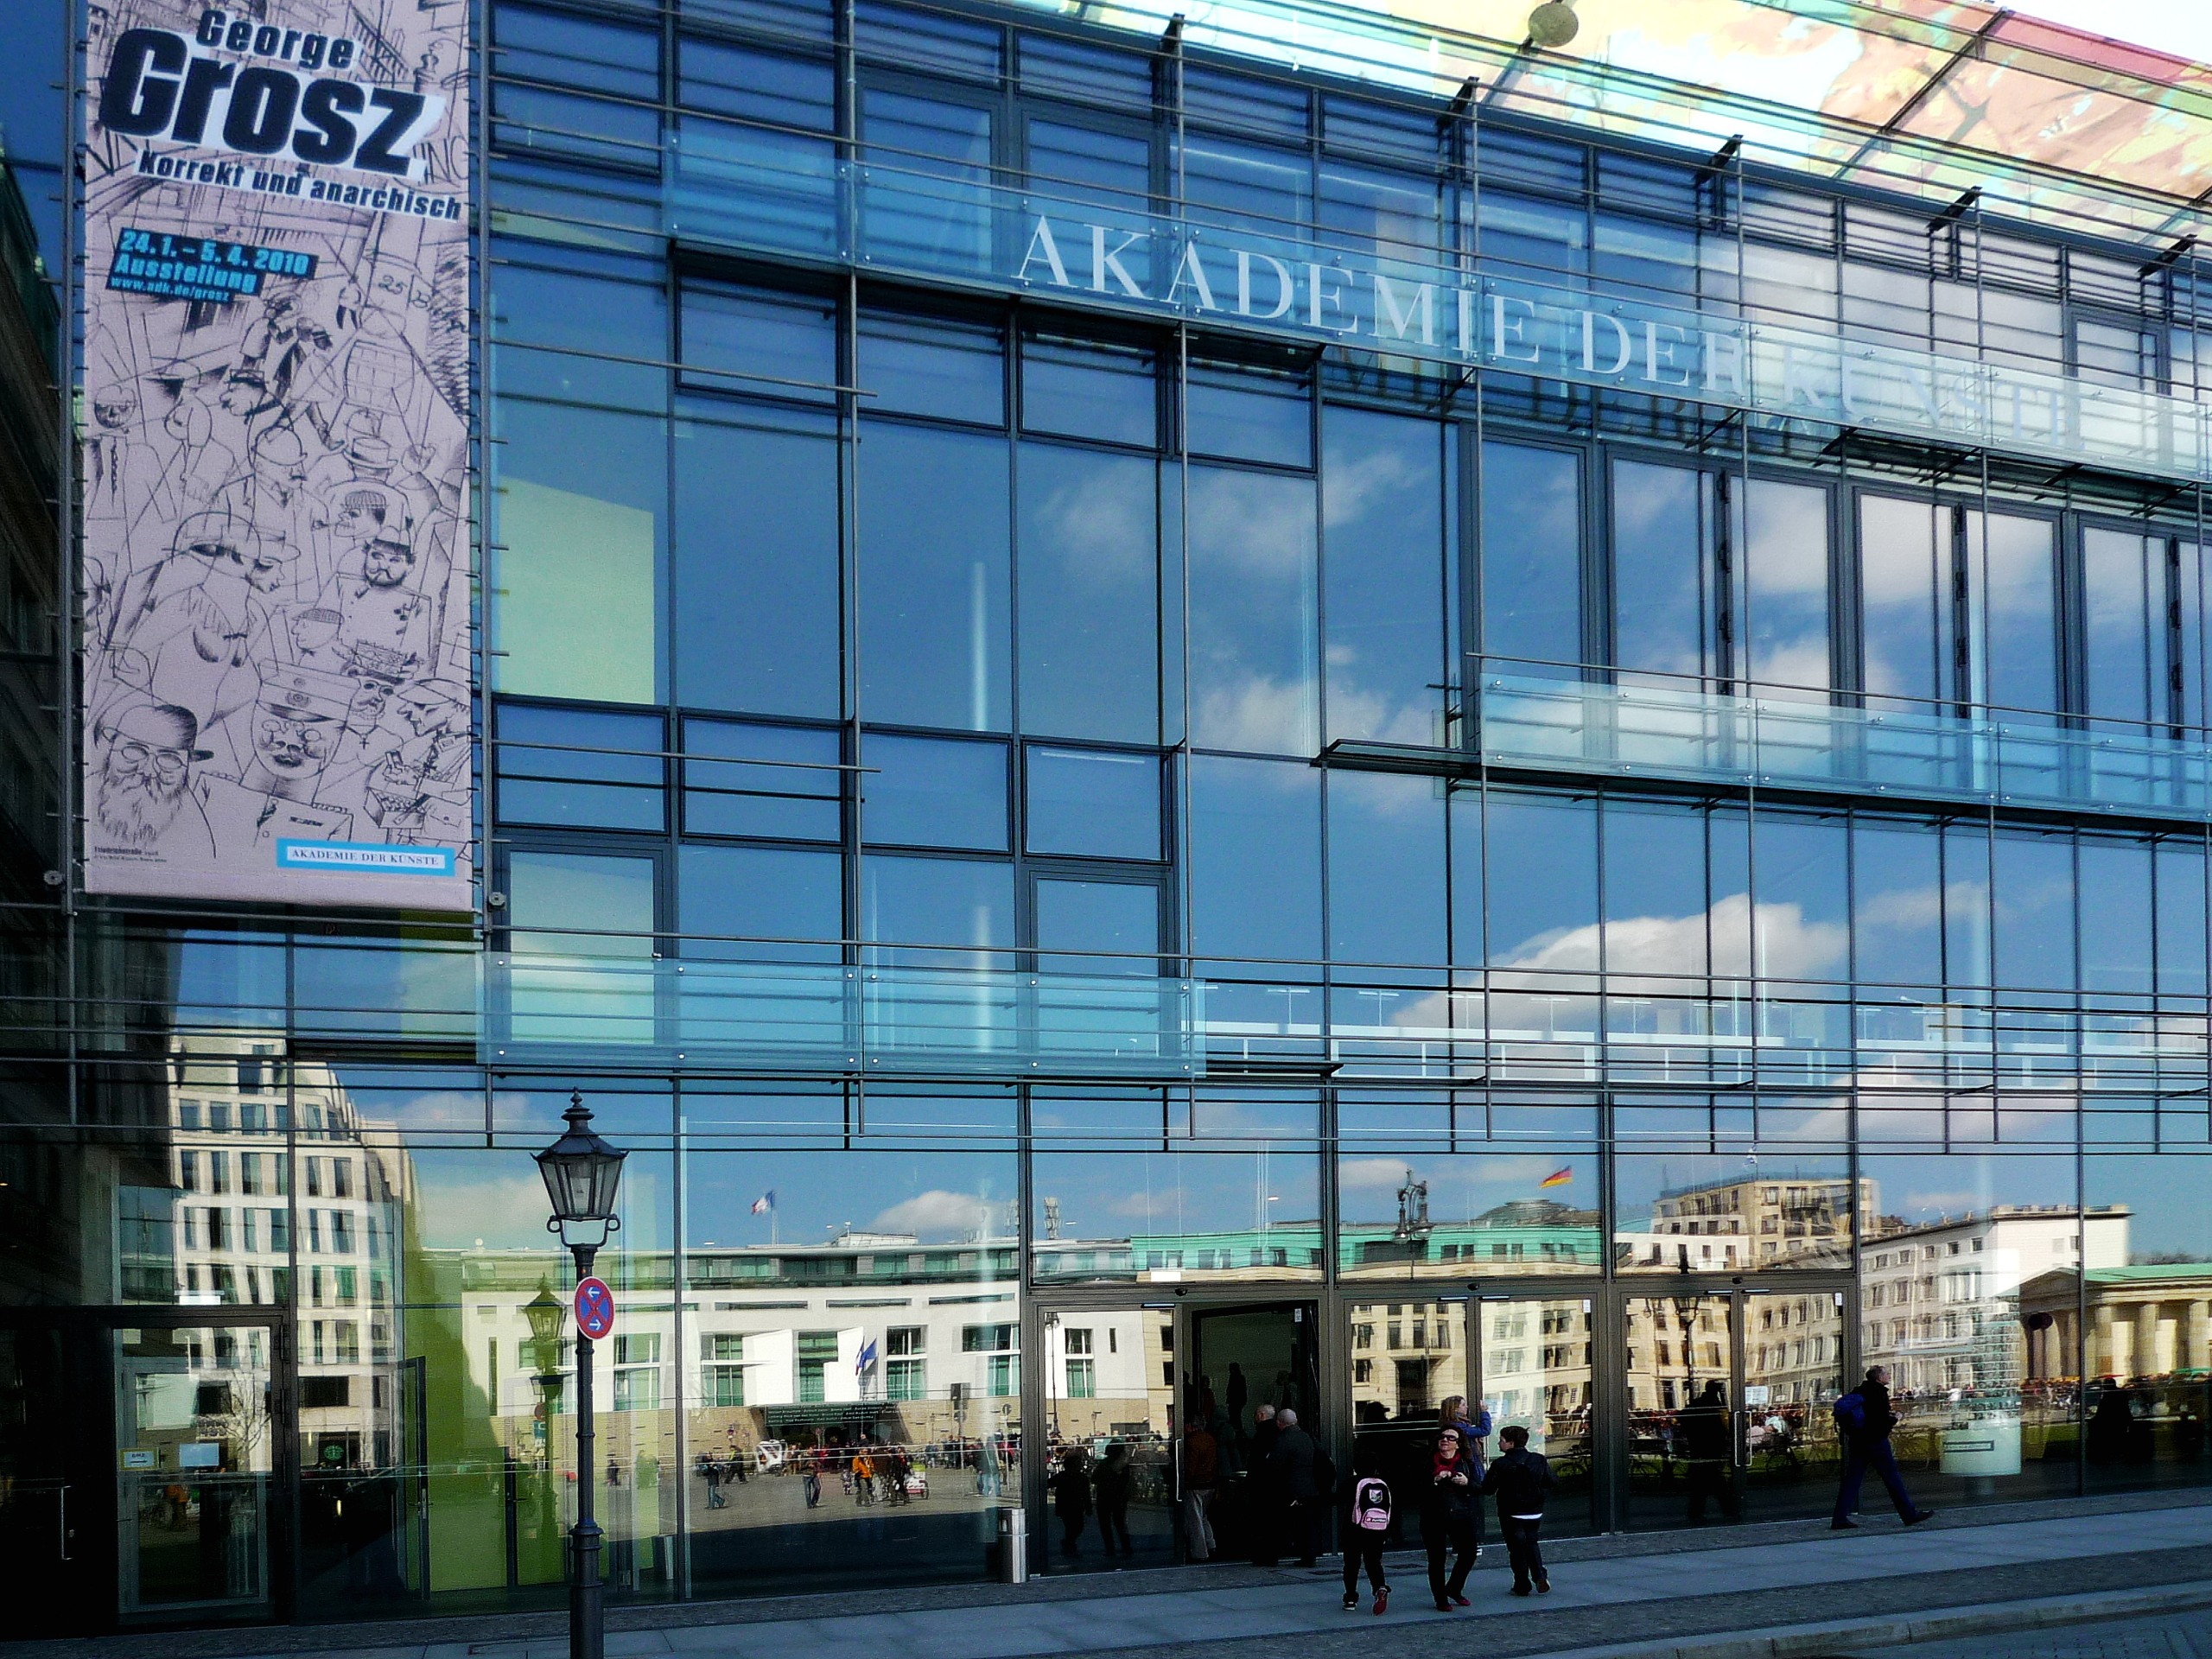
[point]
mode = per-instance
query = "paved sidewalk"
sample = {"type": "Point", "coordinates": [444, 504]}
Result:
{"type": "Point", "coordinates": [1621, 1599]}
{"type": "Point", "coordinates": [2161, 1636]}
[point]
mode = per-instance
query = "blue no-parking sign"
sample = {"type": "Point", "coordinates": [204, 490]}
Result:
{"type": "Point", "coordinates": [595, 1308]}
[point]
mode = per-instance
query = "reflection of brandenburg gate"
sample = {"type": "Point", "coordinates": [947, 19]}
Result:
{"type": "Point", "coordinates": [2149, 1321]}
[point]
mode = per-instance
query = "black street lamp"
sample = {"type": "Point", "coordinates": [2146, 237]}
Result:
{"type": "Point", "coordinates": [582, 1172]}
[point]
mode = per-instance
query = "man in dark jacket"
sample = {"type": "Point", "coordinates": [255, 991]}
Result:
{"type": "Point", "coordinates": [1290, 1467]}
{"type": "Point", "coordinates": [1705, 1449]}
{"type": "Point", "coordinates": [1519, 1478]}
{"type": "Point", "coordinates": [1868, 1447]}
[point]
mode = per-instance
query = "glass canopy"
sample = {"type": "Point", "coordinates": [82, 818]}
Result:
{"type": "Point", "coordinates": [1931, 97]}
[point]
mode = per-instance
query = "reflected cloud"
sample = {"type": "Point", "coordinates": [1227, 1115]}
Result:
{"type": "Point", "coordinates": [938, 1214]}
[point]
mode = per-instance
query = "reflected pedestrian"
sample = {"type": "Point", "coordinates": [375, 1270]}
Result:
{"type": "Point", "coordinates": [1704, 1435]}
{"type": "Point", "coordinates": [1520, 1479]}
{"type": "Point", "coordinates": [1201, 1474]}
{"type": "Point", "coordinates": [1864, 1421]}
{"type": "Point", "coordinates": [1110, 1489]}
{"type": "Point", "coordinates": [1071, 1500]}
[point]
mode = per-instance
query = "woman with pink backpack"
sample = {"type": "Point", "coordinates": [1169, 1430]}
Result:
{"type": "Point", "coordinates": [1367, 1517]}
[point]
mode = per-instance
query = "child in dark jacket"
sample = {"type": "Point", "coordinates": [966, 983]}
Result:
{"type": "Point", "coordinates": [1367, 1507]}
{"type": "Point", "coordinates": [1519, 1478]}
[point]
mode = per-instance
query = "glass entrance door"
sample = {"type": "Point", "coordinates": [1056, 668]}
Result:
{"type": "Point", "coordinates": [1533, 1357]}
{"type": "Point", "coordinates": [1110, 1422]}
{"type": "Point", "coordinates": [197, 1441]}
{"type": "Point", "coordinates": [1234, 1361]}
{"type": "Point", "coordinates": [1729, 1395]}
{"type": "Point", "coordinates": [50, 1479]}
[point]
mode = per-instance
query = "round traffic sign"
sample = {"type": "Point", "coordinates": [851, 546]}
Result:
{"type": "Point", "coordinates": [595, 1308]}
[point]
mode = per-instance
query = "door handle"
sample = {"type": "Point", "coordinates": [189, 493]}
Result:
{"type": "Point", "coordinates": [61, 1520]}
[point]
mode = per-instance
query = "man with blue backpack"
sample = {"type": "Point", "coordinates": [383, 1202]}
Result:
{"type": "Point", "coordinates": [1862, 1422]}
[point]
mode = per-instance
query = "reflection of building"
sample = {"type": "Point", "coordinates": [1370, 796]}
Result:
{"type": "Point", "coordinates": [1942, 1299]}
{"type": "Point", "coordinates": [251, 1222]}
{"type": "Point", "coordinates": [2150, 1320]}
{"type": "Point", "coordinates": [1761, 1220]}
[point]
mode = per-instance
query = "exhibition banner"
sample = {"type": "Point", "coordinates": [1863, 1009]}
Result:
{"type": "Point", "coordinates": [275, 535]}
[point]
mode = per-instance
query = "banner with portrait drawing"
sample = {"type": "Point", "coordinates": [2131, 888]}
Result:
{"type": "Point", "coordinates": [275, 564]}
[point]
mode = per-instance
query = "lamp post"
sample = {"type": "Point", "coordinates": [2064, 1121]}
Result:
{"type": "Point", "coordinates": [582, 1172]}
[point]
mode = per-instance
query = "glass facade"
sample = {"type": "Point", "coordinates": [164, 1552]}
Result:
{"type": "Point", "coordinates": [1112, 858]}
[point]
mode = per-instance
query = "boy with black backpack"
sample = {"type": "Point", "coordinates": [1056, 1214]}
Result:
{"type": "Point", "coordinates": [1367, 1518]}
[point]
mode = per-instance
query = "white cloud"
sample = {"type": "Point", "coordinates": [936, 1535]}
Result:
{"type": "Point", "coordinates": [937, 1214]}
{"type": "Point", "coordinates": [1263, 715]}
{"type": "Point", "coordinates": [1372, 1174]}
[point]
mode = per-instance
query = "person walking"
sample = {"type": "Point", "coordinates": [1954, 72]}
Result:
{"type": "Point", "coordinates": [1519, 1478]}
{"type": "Point", "coordinates": [1864, 1421]}
{"type": "Point", "coordinates": [1201, 1474]}
{"type": "Point", "coordinates": [1448, 1517]}
{"type": "Point", "coordinates": [1368, 1505]}
{"type": "Point", "coordinates": [1705, 1440]}
{"type": "Point", "coordinates": [1071, 1500]}
{"type": "Point", "coordinates": [810, 1476]}
{"type": "Point", "coordinates": [863, 1473]}
{"type": "Point", "coordinates": [1294, 1461]}
{"type": "Point", "coordinates": [1110, 1489]}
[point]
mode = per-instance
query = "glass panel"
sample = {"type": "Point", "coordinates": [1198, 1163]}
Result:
{"type": "Point", "coordinates": [1664, 606]}
{"type": "Point", "coordinates": [1681, 1459]}
{"type": "Point", "coordinates": [2150, 1305]}
{"type": "Point", "coordinates": [1504, 1210]}
{"type": "Point", "coordinates": [732, 901]}
{"type": "Point", "coordinates": [1961, 1246]}
{"type": "Point", "coordinates": [1178, 1216]}
{"type": "Point", "coordinates": [738, 339]}
{"type": "Point", "coordinates": [928, 792]}
{"type": "Point", "coordinates": [1531, 556]}
{"type": "Point", "coordinates": [1786, 596]}
{"type": "Point", "coordinates": [1535, 1363]}
{"type": "Point", "coordinates": [929, 181]}
{"type": "Point", "coordinates": [2013, 568]}
{"type": "Point", "coordinates": [1898, 905]}
{"type": "Point", "coordinates": [1089, 546]}
{"type": "Point", "coordinates": [2034, 888]}
{"type": "Point", "coordinates": [753, 85]}
{"type": "Point", "coordinates": [914, 902]}
{"type": "Point", "coordinates": [796, 796]}
{"type": "Point", "coordinates": [864, 1371]}
{"type": "Point", "coordinates": [1254, 1357]}
{"type": "Point", "coordinates": [945, 367]}
{"type": "Point", "coordinates": [1386, 870]}
{"type": "Point", "coordinates": [540, 317]}
{"type": "Point", "coordinates": [758, 604]}
{"type": "Point", "coordinates": [195, 1427]}
{"type": "Point", "coordinates": [584, 944]}
{"type": "Point", "coordinates": [1110, 1396]}
{"type": "Point", "coordinates": [1793, 1373]}
{"type": "Point", "coordinates": [1090, 388]}
{"type": "Point", "coordinates": [1256, 859]}
{"type": "Point", "coordinates": [2116, 916]}
{"type": "Point", "coordinates": [1109, 927]}
{"type": "Point", "coordinates": [2120, 572]}
{"type": "Point", "coordinates": [1255, 671]}
{"type": "Point", "coordinates": [1725, 1212]}
{"type": "Point", "coordinates": [1904, 557]}
{"type": "Point", "coordinates": [581, 499]}
{"type": "Point", "coordinates": [1093, 803]}
{"type": "Point", "coordinates": [1245, 412]}
{"type": "Point", "coordinates": [1382, 557]}
{"type": "Point", "coordinates": [2181, 918]}
{"type": "Point", "coordinates": [580, 769]}
{"type": "Point", "coordinates": [934, 623]}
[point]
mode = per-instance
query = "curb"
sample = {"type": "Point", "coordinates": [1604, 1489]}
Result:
{"type": "Point", "coordinates": [1841, 1636]}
